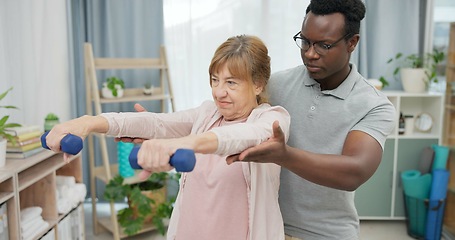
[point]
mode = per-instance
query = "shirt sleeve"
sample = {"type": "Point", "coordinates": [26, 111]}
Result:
{"type": "Point", "coordinates": [379, 122]}
{"type": "Point", "coordinates": [150, 125]}
{"type": "Point", "coordinates": [233, 139]}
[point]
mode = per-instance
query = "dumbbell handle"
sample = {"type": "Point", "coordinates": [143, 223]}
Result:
{"type": "Point", "coordinates": [183, 160]}
{"type": "Point", "coordinates": [71, 144]}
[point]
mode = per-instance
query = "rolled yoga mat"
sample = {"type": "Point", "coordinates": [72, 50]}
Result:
{"type": "Point", "coordinates": [438, 194]}
{"type": "Point", "coordinates": [426, 160]}
{"type": "Point", "coordinates": [416, 189]}
{"type": "Point", "coordinates": [123, 152]}
{"type": "Point", "coordinates": [441, 154]}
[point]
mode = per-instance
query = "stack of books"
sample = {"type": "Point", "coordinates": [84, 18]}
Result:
{"type": "Point", "coordinates": [28, 141]}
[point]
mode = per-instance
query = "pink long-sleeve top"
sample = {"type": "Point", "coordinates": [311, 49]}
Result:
{"type": "Point", "coordinates": [216, 200]}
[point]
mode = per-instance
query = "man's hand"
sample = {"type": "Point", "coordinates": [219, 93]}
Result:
{"type": "Point", "coordinates": [270, 151]}
{"type": "Point", "coordinates": [139, 108]}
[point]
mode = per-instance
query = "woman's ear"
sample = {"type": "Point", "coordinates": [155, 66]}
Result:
{"type": "Point", "coordinates": [257, 89]}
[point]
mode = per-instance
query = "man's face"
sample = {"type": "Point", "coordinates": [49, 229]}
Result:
{"type": "Point", "coordinates": [325, 30]}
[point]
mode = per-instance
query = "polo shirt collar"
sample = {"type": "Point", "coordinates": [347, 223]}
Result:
{"type": "Point", "coordinates": [341, 91]}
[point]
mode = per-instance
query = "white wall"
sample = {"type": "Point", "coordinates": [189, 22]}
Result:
{"type": "Point", "coordinates": [195, 28]}
{"type": "Point", "coordinates": [34, 59]}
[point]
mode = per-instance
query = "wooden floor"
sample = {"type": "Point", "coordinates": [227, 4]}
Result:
{"type": "Point", "coordinates": [369, 229]}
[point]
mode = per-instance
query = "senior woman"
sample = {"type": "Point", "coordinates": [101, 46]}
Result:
{"type": "Point", "coordinates": [215, 200]}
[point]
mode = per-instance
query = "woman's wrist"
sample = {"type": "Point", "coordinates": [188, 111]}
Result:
{"type": "Point", "coordinates": [97, 124]}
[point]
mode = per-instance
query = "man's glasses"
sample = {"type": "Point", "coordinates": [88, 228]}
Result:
{"type": "Point", "coordinates": [321, 48]}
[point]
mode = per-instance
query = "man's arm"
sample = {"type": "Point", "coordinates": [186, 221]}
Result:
{"type": "Point", "coordinates": [360, 158]}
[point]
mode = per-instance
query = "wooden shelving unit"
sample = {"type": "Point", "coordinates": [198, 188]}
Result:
{"type": "Point", "coordinates": [32, 182]}
{"type": "Point", "coordinates": [449, 133]}
{"type": "Point", "coordinates": [107, 170]}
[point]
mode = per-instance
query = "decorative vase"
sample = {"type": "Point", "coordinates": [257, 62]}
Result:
{"type": "Point", "coordinates": [123, 153]}
{"type": "Point", "coordinates": [414, 80]}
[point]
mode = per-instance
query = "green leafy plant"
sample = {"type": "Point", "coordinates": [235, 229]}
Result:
{"type": "Point", "coordinates": [141, 206]}
{"type": "Point", "coordinates": [428, 61]}
{"type": "Point", "coordinates": [4, 121]}
{"type": "Point", "coordinates": [51, 116]}
{"type": "Point", "coordinates": [111, 83]}
{"type": "Point", "coordinates": [148, 85]}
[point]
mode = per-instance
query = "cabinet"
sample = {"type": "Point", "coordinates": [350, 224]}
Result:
{"type": "Point", "coordinates": [32, 182]}
{"type": "Point", "coordinates": [381, 197]}
{"type": "Point", "coordinates": [106, 170]}
{"type": "Point", "coordinates": [449, 133]}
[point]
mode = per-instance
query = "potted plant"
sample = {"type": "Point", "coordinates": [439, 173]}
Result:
{"type": "Point", "coordinates": [4, 135]}
{"type": "Point", "coordinates": [416, 71]}
{"type": "Point", "coordinates": [148, 88]}
{"type": "Point", "coordinates": [146, 201]}
{"type": "Point", "coordinates": [50, 121]}
{"type": "Point", "coordinates": [113, 87]}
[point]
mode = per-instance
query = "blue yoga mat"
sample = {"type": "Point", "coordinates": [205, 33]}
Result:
{"type": "Point", "coordinates": [438, 194]}
{"type": "Point", "coordinates": [441, 154]}
{"type": "Point", "coordinates": [123, 151]}
{"type": "Point", "coordinates": [416, 189]}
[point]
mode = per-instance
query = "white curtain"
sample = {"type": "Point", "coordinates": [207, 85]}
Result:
{"type": "Point", "coordinates": [34, 59]}
{"type": "Point", "coordinates": [193, 29]}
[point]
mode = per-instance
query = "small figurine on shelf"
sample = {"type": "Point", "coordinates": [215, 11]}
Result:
{"type": "Point", "coordinates": [148, 88]}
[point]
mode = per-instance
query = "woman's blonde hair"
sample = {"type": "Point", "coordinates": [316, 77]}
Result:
{"type": "Point", "coordinates": [246, 57]}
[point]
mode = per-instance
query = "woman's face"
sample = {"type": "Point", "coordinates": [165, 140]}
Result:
{"type": "Point", "coordinates": [235, 98]}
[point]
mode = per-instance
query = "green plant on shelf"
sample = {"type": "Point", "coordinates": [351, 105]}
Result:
{"type": "Point", "coordinates": [51, 117]}
{"type": "Point", "coordinates": [113, 84]}
{"type": "Point", "coordinates": [4, 124]}
{"type": "Point", "coordinates": [142, 207]}
{"type": "Point", "coordinates": [428, 61]}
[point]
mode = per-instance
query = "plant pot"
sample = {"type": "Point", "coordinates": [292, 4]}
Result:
{"type": "Point", "coordinates": [49, 124]}
{"type": "Point", "coordinates": [2, 152]}
{"type": "Point", "coordinates": [414, 80]}
{"type": "Point", "coordinates": [159, 196]}
{"type": "Point", "coordinates": [147, 91]}
{"type": "Point", "coordinates": [107, 93]}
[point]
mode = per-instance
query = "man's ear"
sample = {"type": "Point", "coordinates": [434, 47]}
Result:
{"type": "Point", "coordinates": [353, 41]}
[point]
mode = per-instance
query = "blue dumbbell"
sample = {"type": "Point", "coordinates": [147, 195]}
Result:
{"type": "Point", "coordinates": [71, 144]}
{"type": "Point", "coordinates": [183, 160]}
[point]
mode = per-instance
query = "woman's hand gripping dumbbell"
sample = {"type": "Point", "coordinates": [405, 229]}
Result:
{"type": "Point", "coordinates": [183, 160]}
{"type": "Point", "coordinates": [70, 144]}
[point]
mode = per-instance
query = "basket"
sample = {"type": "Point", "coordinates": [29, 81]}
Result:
{"type": "Point", "coordinates": [424, 217]}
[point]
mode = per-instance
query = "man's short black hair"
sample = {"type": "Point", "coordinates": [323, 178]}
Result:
{"type": "Point", "coordinates": [353, 11]}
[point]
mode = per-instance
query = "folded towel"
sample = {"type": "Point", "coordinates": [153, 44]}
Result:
{"type": "Point", "coordinates": [65, 180]}
{"type": "Point", "coordinates": [31, 224]}
{"type": "Point", "coordinates": [33, 230]}
{"type": "Point", "coordinates": [30, 213]}
{"type": "Point", "coordinates": [72, 194]}
{"type": "Point", "coordinates": [81, 191]}
{"type": "Point", "coordinates": [42, 226]}
{"type": "Point", "coordinates": [64, 205]}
